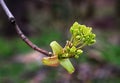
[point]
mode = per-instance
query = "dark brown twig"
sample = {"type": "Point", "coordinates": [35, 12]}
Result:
{"type": "Point", "coordinates": [21, 35]}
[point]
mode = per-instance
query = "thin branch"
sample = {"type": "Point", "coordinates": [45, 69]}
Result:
{"type": "Point", "coordinates": [21, 35]}
{"type": "Point", "coordinates": [5, 8]}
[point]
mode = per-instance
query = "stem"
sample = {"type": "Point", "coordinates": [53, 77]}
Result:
{"type": "Point", "coordinates": [81, 46]}
{"type": "Point", "coordinates": [21, 35]}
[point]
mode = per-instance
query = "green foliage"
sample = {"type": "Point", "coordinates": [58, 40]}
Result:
{"type": "Point", "coordinates": [107, 80]}
{"type": "Point", "coordinates": [5, 47]}
{"type": "Point", "coordinates": [111, 53]}
{"type": "Point", "coordinates": [51, 77]}
{"type": "Point", "coordinates": [11, 72]}
{"type": "Point", "coordinates": [11, 69]}
{"type": "Point", "coordinates": [47, 36]}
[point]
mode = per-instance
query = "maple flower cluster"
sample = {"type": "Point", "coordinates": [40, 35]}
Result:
{"type": "Point", "coordinates": [81, 36]}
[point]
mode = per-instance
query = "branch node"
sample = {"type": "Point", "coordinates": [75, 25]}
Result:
{"type": "Point", "coordinates": [12, 20]}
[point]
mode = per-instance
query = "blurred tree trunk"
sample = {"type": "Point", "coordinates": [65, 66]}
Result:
{"type": "Point", "coordinates": [18, 9]}
{"type": "Point", "coordinates": [60, 9]}
{"type": "Point", "coordinates": [118, 13]}
{"type": "Point", "coordinates": [90, 9]}
{"type": "Point", "coordinates": [118, 8]}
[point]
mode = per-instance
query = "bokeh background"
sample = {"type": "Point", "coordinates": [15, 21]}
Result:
{"type": "Point", "coordinates": [44, 21]}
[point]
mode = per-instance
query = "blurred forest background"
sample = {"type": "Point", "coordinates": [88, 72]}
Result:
{"type": "Point", "coordinates": [46, 20]}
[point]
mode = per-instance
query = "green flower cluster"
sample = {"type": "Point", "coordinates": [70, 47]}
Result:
{"type": "Point", "coordinates": [81, 36]}
{"type": "Point", "coordinates": [70, 51]}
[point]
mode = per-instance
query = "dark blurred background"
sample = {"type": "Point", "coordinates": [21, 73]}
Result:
{"type": "Point", "coordinates": [44, 21]}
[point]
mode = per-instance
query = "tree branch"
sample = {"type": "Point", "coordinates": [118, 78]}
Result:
{"type": "Point", "coordinates": [21, 35]}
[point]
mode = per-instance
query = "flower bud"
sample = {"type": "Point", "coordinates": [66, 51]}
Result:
{"type": "Point", "coordinates": [79, 51]}
{"type": "Point", "coordinates": [73, 49]}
